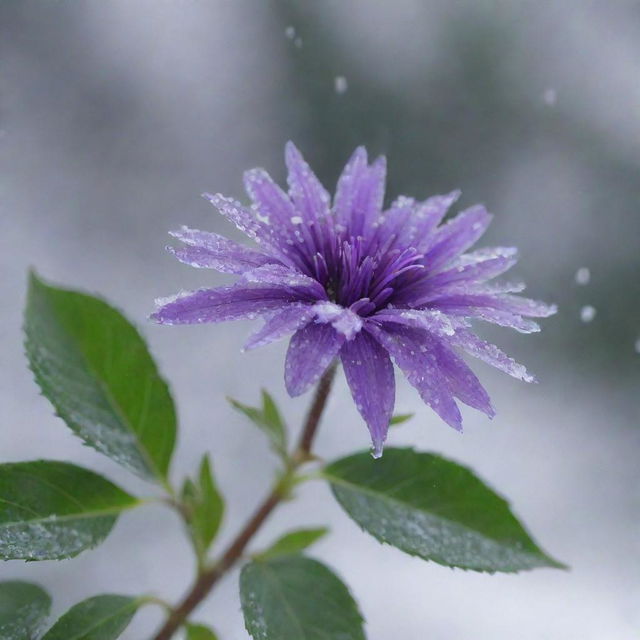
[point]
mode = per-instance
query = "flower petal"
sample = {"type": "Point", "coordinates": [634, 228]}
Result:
{"type": "Point", "coordinates": [206, 250]}
{"type": "Point", "coordinates": [309, 196]}
{"type": "Point", "coordinates": [242, 217]}
{"type": "Point", "coordinates": [369, 373]}
{"type": "Point", "coordinates": [274, 209]}
{"type": "Point", "coordinates": [457, 236]}
{"type": "Point", "coordinates": [493, 309]}
{"type": "Point", "coordinates": [360, 193]}
{"type": "Point", "coordinates": [311, 351]}
{"type": "Point", "coordinates": [474, 267]}
{"type": "Point", "coordinates": [224, 303]}
{"type": "Point", "coordinates": [409, 349]}
{"type": "Point", "coordinates": [489, 353]}
{"type": "Point", "coordinates": [280, 324]}
{"type": "Point", "coordinates": [280, 275]}
{"type": "Point", "coordinates": [416, 229]}
{"type": "Point", "coordinates": [430, 319]}
{"type": "Point", "coordinates": [462, 381]}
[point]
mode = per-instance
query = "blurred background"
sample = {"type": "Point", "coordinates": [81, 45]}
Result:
{"type": "Point", "coordinates": [116, 115]}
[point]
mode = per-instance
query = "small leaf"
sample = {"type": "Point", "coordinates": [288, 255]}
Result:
{"type": "Point", "coordinates": [205, 506]}
{"type": "Point", "coordinates": [99, 618]}
{"type": "Point", "coordinates": [94, 367]}
{"type": "Point", "coordinates": [268, 419]}
{"type": "Point", "coordinates": [433, 508]}
{"type": "Point", "coordinates": [293, 542]}
{"type": "Point", "coordinates": [24, 608]}
{"type": "Point", "coordinates": [51, 510]}
{"type": "Point", "coordinates": [294, 597]}
{"type": "Point", "coordinates": [400, 418]}
{"type": "Point", "coordinates": [199, 632]}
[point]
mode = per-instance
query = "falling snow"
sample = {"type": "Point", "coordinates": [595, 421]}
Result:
{"type": "Point", "coordinates": [340, 84]}
{"type": "Point", "coordinates": [587, 313]}
{"type": "Point", "coordinates": [583, 276]}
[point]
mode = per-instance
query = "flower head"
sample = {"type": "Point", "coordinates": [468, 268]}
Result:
{"type": "Point", "coordinates": [351, 280]}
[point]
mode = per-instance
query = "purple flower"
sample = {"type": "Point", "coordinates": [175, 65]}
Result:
{"type": "Point", "coordinates": [367, 285]}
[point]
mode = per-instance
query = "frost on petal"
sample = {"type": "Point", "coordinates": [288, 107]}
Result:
{"type": "Point", "coordinates": [462, 381]}
{"type": "Point", "coordinates": [369, 373]}
{"type": "Point", "coordinates": [309, 196]}
{"type": "Point", "coordinates": [492, 310]}
{"type": "Point", "coordinates": [231, 209]}
{"type": "Point", "coordinates": [311, 351]}
{"type": "Point", "coordinates": [475, 267]}
{"type": "Point", "coordinates": [429, 319]}
{"type": "Point", "coordinates": [273, 206]}
{"type": "Point", "coordinates": [416, 230]}
{"type": "Point", "coordinates": [528, 307]}
{"type": "Point", "coordinates": [489, 353]}
{"type": "Point", "coordinates": [347, 186]}
{"type": "Point", "coordinates": [457, 236]}
{"type": "Point", "coordinates": [344, 321]}
{"type": "Point", "coordinates": [280, 275]}
{"type": "Point", "coordinates": [206, 250]}
{"type": "Point", "coordinates": [360, 193]}
{"type": "Point", "coordinates": [496, 308]}
{"type": "Point", "coordinates": [223, 303]}
{"type": "Point", "coordinates": [280, 324]}
{"type": "Point", "coordinates": [272, 202]}
{"type": "Point", "coordinates": [409, 348]}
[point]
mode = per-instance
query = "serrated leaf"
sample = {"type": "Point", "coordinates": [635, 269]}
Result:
{"type": "Point", "coordinates": [268, 419]}
{"type": "Point", "coordinates": [400, 418]}
{"type": "Point", "coordinates": [199, 632]}
{"type": "Point", "coordinates": [24, 608]}
{"type": "Point", "coordinates": [51, 510]}
{"type": "Point", "coordinates": [294, 542]}
{"type": "Point", "coordinates": [102, 617]}
{"type": "Point", "coordinates": [434, 508]}
{"type": "Point", "coordinates": [96, 370]}
{"type": "Point", "coordinates": [205, 507]}
{"type": "Point", "coordinates": [294, 597]}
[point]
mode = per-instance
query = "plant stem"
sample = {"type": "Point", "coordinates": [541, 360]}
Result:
{"type": "Point", "coordinates": [208, 577]}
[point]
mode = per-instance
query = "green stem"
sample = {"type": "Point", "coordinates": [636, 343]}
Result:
{"type": "Point", "coordinates": [208, 577]}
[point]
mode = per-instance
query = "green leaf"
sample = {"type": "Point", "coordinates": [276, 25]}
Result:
{"type": "Point", "coordinates": [268, 419]}
{"type": "Point", "coordinates": [24, 608]}
{"type": "Point", "coordinates": [94, 367]}
{"type": "Point", "coordinates": [51, 510]}
{"type": "Point", "coordinates": [199, 632]}
{"type": "Point", "coordinates": [433, 508]}
{"type": "Point", "coordinates": [99, 618]}
{"type": "Point", "coordinates": [294, 597]}
{"type": "Point", "coordinates": [205, 507]}
{"type": "Point", "coordinates": [293, 542]}
{"type": "Point", "coordinates": [399, 418]}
